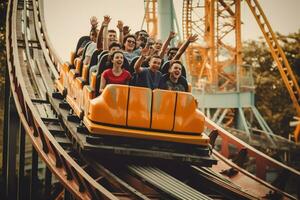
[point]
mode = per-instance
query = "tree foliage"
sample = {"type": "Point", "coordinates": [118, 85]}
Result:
{"type": "Point", "coordinates": [272, 98]}
{"type": "Point", "coordinates": [3, 6]}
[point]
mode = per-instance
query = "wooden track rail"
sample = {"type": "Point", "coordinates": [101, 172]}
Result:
{"type": "Point", "coordinates": [263, 163]}
{"type": "Point", "coordinates": [70, 174]}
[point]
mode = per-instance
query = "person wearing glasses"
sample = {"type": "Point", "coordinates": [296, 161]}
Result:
{"type": "Point", "coordinates": [129, 45]}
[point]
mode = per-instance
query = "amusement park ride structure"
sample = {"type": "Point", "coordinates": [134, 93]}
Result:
{"type": "Point", "coordinates": [80, 162]}
{"type": "Point", "coordinates": [221, 82]}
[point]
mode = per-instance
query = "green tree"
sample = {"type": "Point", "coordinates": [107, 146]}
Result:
{"type": "Point", "coordinates": [272, 98]}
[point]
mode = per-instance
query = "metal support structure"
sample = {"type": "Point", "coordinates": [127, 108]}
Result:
{"type": "Point", "coordinates": [34, 174]}
{"type": "Point", "coordinates": [166, 18]}
{"type": "Point", "coordinates": [209, 36]}
{"type": "Point", "coordinates": [261, 121]}
{"type": "Point", "coordinates": [238, 42]}
{"type": "Point", "coordinates": [5, 127]}
{"type": "Point", "coordinates": [48, 182]}
{"type": "Point", "coordinates": [222, 116]}
{"type": "Point", "coordinates": [67, 195]}
{"type": "Point", "coordinates": [13, 123]}
{"type": "Point", "coordinates": [242, 124]}
{"type": "Point", "coordinates": [227, 82]}
{"type": "Point", "coordinates": [151, 17]}
{"type": "Point", "coordinates": [21, 162]}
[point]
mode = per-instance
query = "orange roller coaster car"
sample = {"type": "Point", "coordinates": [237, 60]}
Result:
{"type": "Point", "coordinates": [142, 113]}
{"type": "Point", "coordinates": [135, 112]}
{"type": "Point", "coordinates": [145, 120]}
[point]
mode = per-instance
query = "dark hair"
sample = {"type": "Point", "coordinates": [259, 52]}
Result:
{"type": "Point", "coordinates": [172, 62]}
{"type": "Point", "coordinates": [138, 32]}
{"type": "Point", "coordinates": [155, 56]}
{"type": "Point", "coordinates": [129, 36]}
{"type": "Point", "coordinates": [114, 44]}
{"type": "Point", "coordinates": [144, 32]}
{"type": "Point", "coordinates": [111, 57]}
{"type": "Point", "coordinates": [172, 49]}
{"type": "Point", "coordinates": [112, 31]}
{"type": "Point", "coordinates": [94, 30]}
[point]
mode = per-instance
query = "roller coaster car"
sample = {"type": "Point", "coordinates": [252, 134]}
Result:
{"type": "Point", "coordinates": [166, 120]}
{"type": "Point", "coordinates": [135, 120]}
{"type": "Point", "coordinates": [139, 112]}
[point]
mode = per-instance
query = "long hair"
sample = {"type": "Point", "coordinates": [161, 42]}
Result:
{"type": "Point", "coordinates": [111, 57]}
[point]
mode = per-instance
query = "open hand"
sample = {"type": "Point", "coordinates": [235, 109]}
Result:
{"type": "Point", "coordinates": [106, 20]}
{"type": "Point", "coordinates": [193, 38]}
{"type": "Point", "coordinates": [172, 35]}
{"type": "Point", "coordinates": [120, 25]}
{"type": "Point", "coordinates": [94, 21]}
{"type": "Point", "coordinates": [126, 30]}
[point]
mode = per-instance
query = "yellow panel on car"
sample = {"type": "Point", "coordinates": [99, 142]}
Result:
{"type": "Point", "coordinates": [188, 118]}
{"type": "Point", "coordinates": [85, 70]}
{"type": "Point", "coordinates": [111, 106]}
{"type": "Point", "coordinates": [93, 80]}
{"type": "Point", "coordinates": [163, 109]}
{"type": "Point", "coordinates": [139, 107]}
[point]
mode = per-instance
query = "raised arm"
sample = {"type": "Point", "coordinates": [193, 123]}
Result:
{"type": "Point", "coordinates": [102, 32]}
{"type": "Point", "coordinates": [120, 26]}
{"type": "Point", "coordinates": [105, 23]}
{"type": "Point", "coordinates": [126, 31]}
{"type": "Point", "coordinates": [100, 38]}
{"type": "Point", "coordinates": [191, 38]}
{"type": "Point", "coordinates": [94, 22]}
{"type": "Point", "coordinates": [166, 44]}
{"type": "Point", "coordinates": [138, 63]}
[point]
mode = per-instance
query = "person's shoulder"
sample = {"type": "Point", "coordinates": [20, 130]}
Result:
{"type": "Point", "coordinates": [91, 48]}
{"type": "Point", "coordinates": [92, 45]}
{"type": "Point", "coordinates": [107, 71]}
{"type": "Point", "coordinates": [158, 73]}
{"type": "Point", "coordinates": [126, 72]}
{"type": "Point", "coordinates": [182, 79]}
{"type": "Point", "coordinates": [137, 51]}
{"type": "Point", "coordinates": [144, 70]}
{"type": "Point", "coordinates": [165, 77]}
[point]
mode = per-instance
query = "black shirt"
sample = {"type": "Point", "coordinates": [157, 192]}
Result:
{"type": "Point", "coordinates": [166, 84]}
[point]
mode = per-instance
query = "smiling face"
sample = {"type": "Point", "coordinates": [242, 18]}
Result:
{"type": "Point", "coordinates": [112, 36]}
{"type": "Point", "coordinates": [129, 44]}
{"type": "Point", "coordinates": [158, 45]}
{"type": "Point", "coordinates": [175, 70]}
{"type": "Point", "coordinates": [171, 54]}
{"type": "Point", "coordinates": [118, 59]}
{"type": "Point", "coordinates": [154, 63]}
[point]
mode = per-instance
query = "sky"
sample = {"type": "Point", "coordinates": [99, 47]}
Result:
{"type": "Point", "coordinates": [68, 20]}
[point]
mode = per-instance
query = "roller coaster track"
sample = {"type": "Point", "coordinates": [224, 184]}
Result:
{"type": "Point", "coordinates": [284, 68]}
{"type": "Point", "coordinates": [84, 175]}
{"type": "Point", "coordinates": [283, 65]}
